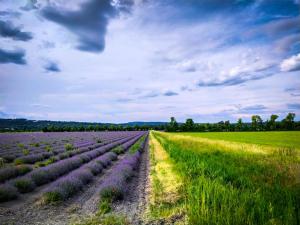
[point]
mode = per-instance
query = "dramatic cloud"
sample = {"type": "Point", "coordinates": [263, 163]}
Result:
{"type": "Point", "coordinates": [239, 74]}
{"type": "Point", "coordinates": [291, 64]}
{"type": "Point", "coordinates": [7, 29]}
{"type": "Point", "coordinates": [16, 57]}
{"type": "Point", "coordinates": [52, 67]}
{"type": "Point", "coordinates": [89, 22]}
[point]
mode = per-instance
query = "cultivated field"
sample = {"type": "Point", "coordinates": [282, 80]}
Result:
{"type": "Point", "coordinates": [62, 178]}
{"type": "Point", "coordinates": [91, 178]}
{"type": "Point", "coordinates": [232, 178]}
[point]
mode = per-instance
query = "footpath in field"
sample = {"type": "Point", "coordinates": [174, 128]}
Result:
{"type": "Point", "coordinates": [31, 210]}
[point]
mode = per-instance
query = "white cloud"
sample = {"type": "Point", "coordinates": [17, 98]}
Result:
{"type": "Point", "coordinates": [291, 64]}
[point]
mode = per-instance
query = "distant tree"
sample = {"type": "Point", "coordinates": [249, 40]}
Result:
{"type": "Point", "coordinates": [257, 123]}
{"type": "Point", "coordinates": [227, 125]}
{"type": "Point", "coordinates": [239, 125]}
{"type": "Point", "coordinates": [45, 129]}
{"type": "Point", "coordinates": [173, 125]}
{"type": "Point", "coordinates": [288, 122]}
{"type": "Point", "coordinates": [189, 124]}
{"type": "Point", "coordinates": [220, 126]}
{"type": "Point", "coordinates": [271, 124]}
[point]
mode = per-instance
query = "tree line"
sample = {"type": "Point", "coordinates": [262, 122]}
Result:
{"type": "Point", "coordinates": [256, 124]}
{"type": "Point", "coordinates": [111, 127]}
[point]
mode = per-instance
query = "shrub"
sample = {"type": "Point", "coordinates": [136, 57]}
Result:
{"type": "Point", "coordinates": [40, 177]}
{"type": "Point", "coordinates": [9, 158]}
{"type": "Point", "coordinates": [52, 197]}
{"type": "Point", "coordinates": [24, 185]}
{"type": "Point", "coordinates": [39, 164]}
{"type": "Point", "coordinates": [94, 167]}
{"type": "Point", "coordinates": [8, 192]}
{"type": "Point", "coordinates": [13, 171]}
{"type": "Point", "coordinates": [20, 145]}
{"type": "Point", "coordinates": [48, 148]}
{"type": "Point", "coordinates": [63, 156]}
{"type": "Point", "coordinates": [2, 161]}
{"type": "Point", "coordinates": [118, 150]}
{"type": "Point", "coordinates": [7, 173]}
{"type": "Point", "coordinates": [63, 189]}
{"type": "Point", "coordinates": [69, 147]}
{"type": "Point", "coordinates": [36, 145]}
{"type": "Point", "coordinates": [104, 207]}
{"type": "Point", "coordinates": [18, 161]}
{"type": "Point", "coordinates": [83, 174]}
{"type": "Point", "coordinates": [32, 158]}
{"type": "Point", "coordinates": [23, 169]}
{"type": "Point", "coordinates": [111, 193]}
{"type": "Point", "coordinates": [25, 152]}
{"type": "Point", "coordinates": [50, 161]}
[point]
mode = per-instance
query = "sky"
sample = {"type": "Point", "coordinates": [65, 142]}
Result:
{"type": "Point", "coordinates": [147, 60]}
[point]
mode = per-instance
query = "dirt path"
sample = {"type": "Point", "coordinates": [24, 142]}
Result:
{"type": "Point", "coordinates": [28, 211]}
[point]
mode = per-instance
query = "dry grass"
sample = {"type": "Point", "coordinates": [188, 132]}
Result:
{"type": "Point", "coordinates": [165, 184]}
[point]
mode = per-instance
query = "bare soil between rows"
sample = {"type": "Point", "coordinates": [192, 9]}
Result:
{"type": "Point", "coordinates": [28, 210]}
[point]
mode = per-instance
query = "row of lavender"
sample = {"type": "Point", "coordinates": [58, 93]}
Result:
{"type": "Point", "coordinates": [14, 171]}
{"type": "Point", "coordinates": [63, 153]}
{"type": "Point", "coordinates": [13, 145]}
{"type": "Point", "coordinates": [115, 186]}
{"type": "Point", "coordinates": [40, 176]}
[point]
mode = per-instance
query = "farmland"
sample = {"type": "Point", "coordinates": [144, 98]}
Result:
{"type": "Point", "coordinates": [228, 181]}
{"type": "Point", "coordinates": [65, 174]}
{"type": "Point", "coordinates": [82, 178]}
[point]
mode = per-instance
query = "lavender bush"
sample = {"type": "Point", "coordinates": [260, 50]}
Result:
{"type": "Point", "coordinates": [13, 171]}
{"type": "Point", "coordinates": [8, 192]}
{"type": "Point", "coordinates": [23, 184]}
{"type": "Point", "coordinates": [114, 187]}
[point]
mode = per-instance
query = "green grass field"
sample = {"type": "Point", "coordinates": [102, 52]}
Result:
{"type": "Point", "coordinates": [274, 138]}
{"type": "Point", "coordinates": [229, 182]}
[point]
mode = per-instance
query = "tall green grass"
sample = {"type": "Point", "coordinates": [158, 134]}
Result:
{"type": "Point", "coordinates": [238, 187]}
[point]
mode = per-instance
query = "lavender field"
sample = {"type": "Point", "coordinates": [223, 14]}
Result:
{"type": "Point", "coordinates": [59, 178]}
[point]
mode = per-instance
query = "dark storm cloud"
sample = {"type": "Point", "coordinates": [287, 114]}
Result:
{"type": "Point", "coordinates": [8, 30]}
{"type": "Point", "coordinates": [16, 57]}
{"type": "Point", "coordinates": [89, 23]}
{"type": "Point", "coordinates": [52, 67]}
